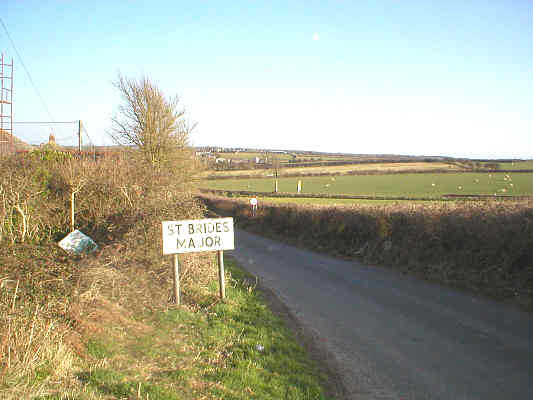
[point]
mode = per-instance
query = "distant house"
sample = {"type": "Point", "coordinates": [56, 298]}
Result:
{"type": "Point", "coordinates": [51, 144]}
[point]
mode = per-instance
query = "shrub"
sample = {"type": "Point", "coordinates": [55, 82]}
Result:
{"type": "Point", "coordinates": [45, 294]}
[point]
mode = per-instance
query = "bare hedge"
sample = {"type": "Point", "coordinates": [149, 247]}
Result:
{"type": "Point", "coordinates": [484, 246]}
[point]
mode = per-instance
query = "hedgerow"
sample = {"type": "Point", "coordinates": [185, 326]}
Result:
{"type": "Point", "coordinates": [47, 295]}
{"type": "Point", "coordinates": [483, 246]}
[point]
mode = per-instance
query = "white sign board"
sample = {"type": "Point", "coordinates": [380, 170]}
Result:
{"type": "Point", "coordinates": [195, 235]}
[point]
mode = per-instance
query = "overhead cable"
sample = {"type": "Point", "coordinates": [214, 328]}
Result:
{"type": "Point", "coordinates": [27, 71]}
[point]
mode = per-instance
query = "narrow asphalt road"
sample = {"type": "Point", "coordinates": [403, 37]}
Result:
{"type": "Point", "coordinates": [393, 336]}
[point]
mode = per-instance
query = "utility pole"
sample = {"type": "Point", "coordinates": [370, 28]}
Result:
{"type": "Point", "coordinates": [275, 166]}
{"type": "Point", "coordinates": [80, 125]}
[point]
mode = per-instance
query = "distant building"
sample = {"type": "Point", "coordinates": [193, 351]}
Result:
{"type": "Point", "coordinates": [51, 144]}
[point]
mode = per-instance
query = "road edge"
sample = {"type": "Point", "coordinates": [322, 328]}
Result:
{"type": "Point", "coordinates": [324, 360]}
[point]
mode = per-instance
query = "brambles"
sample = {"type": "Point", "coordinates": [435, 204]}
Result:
{"type": "Point", "coordinates": [44, 294]}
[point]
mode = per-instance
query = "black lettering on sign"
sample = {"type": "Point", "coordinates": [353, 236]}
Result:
{"type": "Point", "coordinates": [181, 243]}
{"type": "Point", "coordinates": [191, 243]}
{"type": "Point", "coordinates": [191, 229]}
{"type": "Point", "coordinates": [226, 226]}
{"type": "Point", "coordinates": [174, 229]}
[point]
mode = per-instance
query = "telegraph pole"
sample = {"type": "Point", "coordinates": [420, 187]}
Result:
{"type": "Point", "coordinates": [80, 125]}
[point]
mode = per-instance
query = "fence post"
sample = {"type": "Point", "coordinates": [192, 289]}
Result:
{"type": "Point", "coordinates": [72, 210]}
{"type": "Point", "coordinates": [221, 274]}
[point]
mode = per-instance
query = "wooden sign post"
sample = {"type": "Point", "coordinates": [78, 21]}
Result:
{"type": "Point", "coordinates": [188, 236]}
{"type": "Point", "coordinates": [222, 285]}
{"type": "Point", "coordinates": [176, 280]}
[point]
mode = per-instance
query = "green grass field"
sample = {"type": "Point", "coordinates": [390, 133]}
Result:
{"type": "Point", "coordinates": [404, 185]}
{"type": "Point", "coordinates": [519, 165]}
{"type": "Point", "coordinates": [335, 202]}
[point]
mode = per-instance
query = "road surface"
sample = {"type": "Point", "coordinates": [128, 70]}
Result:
{"type": "Point", "coordinates": [395, 337]}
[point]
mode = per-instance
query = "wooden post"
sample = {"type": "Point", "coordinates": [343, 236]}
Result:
{"type": "Point", "coordinates": [72, 210]}
{"type": "Point", "coordinates": [221, 274]}
{"type": "Point", "coordinates": [79, 135]}
{"type": "Point", "coordinates": [176, 280]}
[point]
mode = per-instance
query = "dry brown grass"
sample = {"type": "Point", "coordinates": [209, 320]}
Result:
{"type": "Point", "coordinates": [51, 302]}
{"type": "Point", "coordinates": [33, 352]}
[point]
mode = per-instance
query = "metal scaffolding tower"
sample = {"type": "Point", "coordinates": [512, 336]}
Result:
{"type": "Point", "coordinates": [6, 105]}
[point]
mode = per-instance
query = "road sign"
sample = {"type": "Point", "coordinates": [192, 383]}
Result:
{"type": "Point", "coordinates": [197, 235]}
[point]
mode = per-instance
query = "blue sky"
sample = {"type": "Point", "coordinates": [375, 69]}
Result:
{"type": "Point", "coordinates": [450, 78]}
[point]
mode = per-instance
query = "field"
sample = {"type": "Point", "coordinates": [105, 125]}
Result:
{"type": "Point", "coordinates": [283, 157]}
{"type": "Point", "coordinates": [428, 185]}
{"type": "Point", "coordinates": [519, 165]}
{"type": "Point", "coordinates": [297, 156]}
{"type": "Point", "coordinates": [340, 169]}
{"type": "Point", "coordinates": [324, 201]}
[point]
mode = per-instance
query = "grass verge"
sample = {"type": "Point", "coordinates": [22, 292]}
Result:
{"type": "Point", "coordinates": [206, 348]}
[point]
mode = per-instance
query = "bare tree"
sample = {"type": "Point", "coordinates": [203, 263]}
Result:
{"type": "Point", "coordinates": [150, 121]}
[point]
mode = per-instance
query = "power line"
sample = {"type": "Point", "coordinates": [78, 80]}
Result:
{"type": "Point", "coordinates": [26, 69]}
{"type": "Point", "coordinates": [87, 133]}
{"type": "Point", "coordinates": [45, 122]}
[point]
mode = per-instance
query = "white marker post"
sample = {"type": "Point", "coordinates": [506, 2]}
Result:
{"type": "Point", "coordinates": [253, 205]}
{"type": "Point", "coordinates": [188, 236]}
